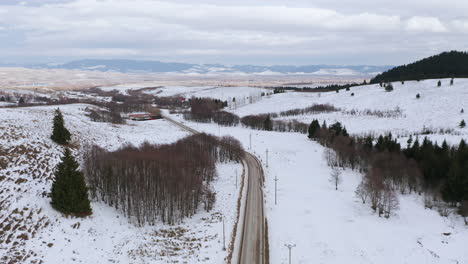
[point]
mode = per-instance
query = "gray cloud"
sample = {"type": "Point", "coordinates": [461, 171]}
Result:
{"type": "Point", "coordinates": [260, 32]}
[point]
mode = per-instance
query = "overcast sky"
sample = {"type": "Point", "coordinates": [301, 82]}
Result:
{"type": "Point", "coordinates": [377, 32]}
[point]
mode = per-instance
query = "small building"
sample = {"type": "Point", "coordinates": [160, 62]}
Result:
{"type": "Point", "coordinates": [144, 116]}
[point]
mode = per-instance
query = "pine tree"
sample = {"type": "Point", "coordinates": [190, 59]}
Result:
{"type": "Point", "coordinates": [69, 192]}
{"type": "Point", "coordinates": [462, 124]}
{"type": "Point", "coordinates": [409, 142]}
{"type": "Point", "coordinates": [267, 124]}
{"type": "Point", "coordinates": [439, 83]}
{"type": "Point", "coordinates": [451, 81]}
{"type": "Point", "coordinates": [324, 125]}
{"type": "Point", "coordinates": [344, 132]}
{"type": "Point", "coordinates": [60, 133]}
{"type": "Point", "coordinates": [418, 96]}
{"type": "Point", "coordinates": [313, 128]}
{"type": "Point", "coordinates": [453, 190]}
{"type": "Point", "coordinates": [2, 99]}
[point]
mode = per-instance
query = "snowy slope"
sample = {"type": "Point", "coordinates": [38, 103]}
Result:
{"type": "Point", "coordinates": [33, 231]}
{"type": "Point", "coordinates": [331, 226]}
{"type": "Point", "coordinates": [438, 108]}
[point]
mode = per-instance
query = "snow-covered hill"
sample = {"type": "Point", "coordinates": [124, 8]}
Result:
{"type": "Point", "coordinates": [438, 109]}
{"type": "Point", "coordinates": [32, 232]}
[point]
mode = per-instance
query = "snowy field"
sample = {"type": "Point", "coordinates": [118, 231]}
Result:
{"type": "Point", "coordinates": [331, 226]}
{"type": "Point", "coordinates": [35, 233]}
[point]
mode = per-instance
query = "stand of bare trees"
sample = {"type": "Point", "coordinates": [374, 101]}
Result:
{"type": "Point", "coordinates": [203, 109]}
{"type": "Point", "coordinates": [164, 183]}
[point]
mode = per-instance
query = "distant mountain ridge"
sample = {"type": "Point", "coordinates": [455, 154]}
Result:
{"type": "Point", "coordinates": [453, 64]}
{"type": "Point", "coordinates": [146, 66]}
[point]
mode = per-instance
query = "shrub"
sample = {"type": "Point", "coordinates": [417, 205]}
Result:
{"type": "Point", "coordinates": [389, 87]}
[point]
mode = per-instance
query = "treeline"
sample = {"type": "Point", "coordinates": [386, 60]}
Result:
{"type": "Point", "coordinates": [203, 109]}
{"type": "Point", "coordinates": [445, 168]}
{"type": "Point", "coordinates": [319, 89]}
{"type": "Point", "coordinates": [440, 172]}
{"type": "Point", "coordinates": [164, 183]}
{"type": "Point", "coordinates": [265, 122]}
{"type": "Point", "coordinates": [210, 110]}
{"type": "Point", "coordinates": [451, 64]}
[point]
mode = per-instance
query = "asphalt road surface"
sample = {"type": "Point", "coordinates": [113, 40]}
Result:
{"type": "Point", "coordinates": [252, 246]}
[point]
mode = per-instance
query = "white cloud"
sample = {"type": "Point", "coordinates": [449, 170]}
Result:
{"type": "Point", "coordinates": [425, 24]}
{"type": "Point", "coordinates": [461, 25]}
{"type": "Point", "coordinates": [225, 31]}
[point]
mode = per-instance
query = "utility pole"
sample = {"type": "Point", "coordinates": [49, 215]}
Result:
{"type": "Point", "coordinates": [224, 243]}
{"type": "Point", "coordinates": [276, 183]}
{"type": "Point", "coordinates": [267, 158]}
{"type": "Point", "coordinates": [289, 246]}
{"type": "Point", "coordinates": [250, 141]}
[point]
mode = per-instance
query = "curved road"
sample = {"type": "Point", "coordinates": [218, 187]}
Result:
{"type": "Point", "coordinates": [252, 249]}
{"type": "Point", "coordinates": [252, 246]}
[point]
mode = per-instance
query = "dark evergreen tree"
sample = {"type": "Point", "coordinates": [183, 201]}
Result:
{"type": "Point", "coordinates": [69, 192]}
{"type": "Point", "coordinates": [268, 124]}
{"type": "Point", "coordinates": [2, 99]}
{"type": "Point", "coordinates": [462, 111]}
{"type": "Point", "coordinates": [462, 124]}
{"type": "Point", "coordinates": [418, 96]}
{"type": "Point", "coordinates": [324, 125]}
{"type": "Point", "coordinates": [439, 83]}
{"type": "Point", "coordinates": [313, 128]}
{"type": "Point", "coordinates": [336, 128]}
{"type": "Point", "coordinates": [344, 132]}
{"type": "Point", "coordinates": [21, 101]}
{"type": "Point", "coordinates": [451, 81]}
{"type": "Point", "coordinates": [409, 142]}
{"type": "Point", "coordinates": [60, 133]}
{"type": "Point", "coordinates": [454, 189]}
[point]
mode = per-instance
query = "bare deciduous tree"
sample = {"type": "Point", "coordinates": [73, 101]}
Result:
{"type": "Point", "coordinates": [335, 177]}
